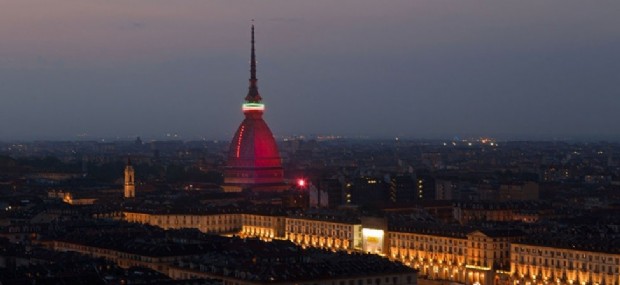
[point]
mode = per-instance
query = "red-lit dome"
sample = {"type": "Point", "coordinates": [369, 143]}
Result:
{"type": "Point", "coordinates": [253, 158]}
{"type": "Point", "coordinates": [253, 146]}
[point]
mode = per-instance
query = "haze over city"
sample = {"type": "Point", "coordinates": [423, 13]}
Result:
{"type": "Point", "coordinates": [415, 69]}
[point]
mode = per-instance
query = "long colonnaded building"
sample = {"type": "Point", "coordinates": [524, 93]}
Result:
{"type": "Point", "coordinates": [555, 261]}
{"type": "Point", "coordinates": [187, 255]}
{"type": "Point", "coordinates": [452, 253]}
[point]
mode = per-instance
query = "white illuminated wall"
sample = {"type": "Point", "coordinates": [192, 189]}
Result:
{"type": "Point", "coordinates": [372, 240]}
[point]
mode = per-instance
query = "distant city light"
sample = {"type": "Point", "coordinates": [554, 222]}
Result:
{"type": "Point", "coordinates": [301, 182]}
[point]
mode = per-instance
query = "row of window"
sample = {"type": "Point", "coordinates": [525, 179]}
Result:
{"type": "Point", "coordinates": [564, 263]}
{"type": "Point", "coordinates": [323, 232]}
{"type": "Point", "coordinates": [435, 239]}
{"type": "Point", "coordinates": [319, 224]}
{"type": "Point", "coordinates": [570, 255]}
{"type": "Point", "coordinates": [409, 279]}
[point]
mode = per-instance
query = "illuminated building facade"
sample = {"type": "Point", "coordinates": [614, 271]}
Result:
{"type": "Point", "coordinates": [266, 227]}
{"type": "Point", "coordinates": [226, 261]}
{"type": "Point", "coordinates": [374, 235]}
{"type": "Point", "coordinates": [263, 226]}
{"type": "Point", "coordinates": [451, 253]}
{"type": "Point", "coordinates": [437, 256]}
{"type": "Point", "coordinates": [130, 185]}
{"type": "Point", "coordinates": [533, 264]}
{"type": "Point", "coordinates": [217, 223]}
{"type": "Point", "coordinates": [325, 232]}
{"type": "Point", "coordinates": [253, 158]}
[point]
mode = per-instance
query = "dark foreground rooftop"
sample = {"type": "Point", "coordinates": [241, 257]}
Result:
{"type": "Point", "coordinates": [256, 261]}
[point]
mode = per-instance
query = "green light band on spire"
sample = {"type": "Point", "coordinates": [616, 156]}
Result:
{"type": "Point", "coordinates": [253, 107]}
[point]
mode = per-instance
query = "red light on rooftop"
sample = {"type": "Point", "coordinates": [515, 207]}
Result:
{"type": "Point", "coordinates": [301, 182]}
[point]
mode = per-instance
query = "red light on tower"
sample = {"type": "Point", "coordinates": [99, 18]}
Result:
{"type": "Point", "coordinates": [301, 182]}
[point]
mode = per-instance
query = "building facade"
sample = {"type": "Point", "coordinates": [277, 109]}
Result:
{"type": "Point", "coordinates": [484, 257]}
{"type": "Point", "coordinates": [453, 255]}
{"type": "Point", "coordinates": [539, 264]}
{"type": "Point", "coordinates": [325, 232]}
{"type": "Point", "coordinates": [266, 227]}
{"type": "Point", "coordinates": [218, 223]}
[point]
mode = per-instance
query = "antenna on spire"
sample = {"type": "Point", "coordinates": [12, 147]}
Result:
{"type": "Point", "coordinates": [253, 56]}
{"type": "Point", "coordinates": [253, 96]}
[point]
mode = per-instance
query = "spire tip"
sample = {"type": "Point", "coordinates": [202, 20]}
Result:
{"type": "Point", "coordinates": [253, 95]}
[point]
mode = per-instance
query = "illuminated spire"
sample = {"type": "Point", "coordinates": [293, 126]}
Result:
{"type": "Point", "coordinates": [253, 96]}
{"type": "Point", "coordinates": [253, 158]}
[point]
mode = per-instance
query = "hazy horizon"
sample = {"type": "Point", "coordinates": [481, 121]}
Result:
{"type": "Point", "coordinates": [324, 137]}
{"type": "Point", "coordinates": [356, 68]}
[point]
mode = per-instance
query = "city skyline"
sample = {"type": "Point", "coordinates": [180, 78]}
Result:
{"type": "Point", "coordinates": [412, 69]}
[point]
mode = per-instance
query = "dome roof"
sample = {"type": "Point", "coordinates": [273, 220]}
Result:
{"type": "Point", "coordinates": [253, 158]}
{"type": "Point", "coordinates": [253, 146]}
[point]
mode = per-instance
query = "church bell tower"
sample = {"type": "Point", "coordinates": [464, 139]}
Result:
{"type": "Point", "coordinates": [130, 186]}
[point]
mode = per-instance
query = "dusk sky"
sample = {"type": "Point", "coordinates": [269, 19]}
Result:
{"type": "Point", "coordinates": [415, 69]}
